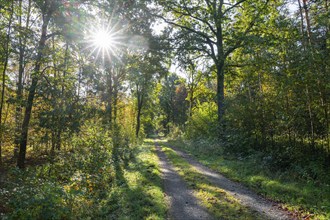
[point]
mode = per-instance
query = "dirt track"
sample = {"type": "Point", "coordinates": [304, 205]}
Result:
{"type": "Point", "coordinates": [185, 206]}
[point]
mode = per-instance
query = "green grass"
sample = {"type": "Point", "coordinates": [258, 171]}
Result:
{"type": "Point", "coordinates": [305, 198]}
{"type": "Point", "coordinates": [139, 188]}
{"type": "Point", "coordinates": [217, 201]}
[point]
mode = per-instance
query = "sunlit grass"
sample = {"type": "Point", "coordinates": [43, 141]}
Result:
{"type": "Point", "coordinates": [141, 187]}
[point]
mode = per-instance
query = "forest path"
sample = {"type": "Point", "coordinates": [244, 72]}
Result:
{"type": "Point", "coordinates": [248, 198]}
{"type": "Point", "coordinates": [183, 204]}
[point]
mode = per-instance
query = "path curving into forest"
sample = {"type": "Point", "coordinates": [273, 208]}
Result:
{"type": "Point", "coordinates": [183, 204]}
{"type": "Point", "coordinates": [268, 209]}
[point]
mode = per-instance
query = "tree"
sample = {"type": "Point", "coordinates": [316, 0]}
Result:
{"type": "Point", "coordinates": [6, 53]}
{"type": "Point", "coordinates": [47, 9]}
{"type": "Point", "coordinates": [144, 70]}
{"type": "Point", "coordinates": [172, 100]}
{"type": "Point", "coordinates": [24, 34]}
{"type": "Point", "coordinates": [215, 29]}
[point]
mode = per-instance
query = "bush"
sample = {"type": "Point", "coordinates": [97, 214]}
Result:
{"type": "Point", "coordinates": [203, 121]}
{"type": "Point", "coordinates": [175, 132]}
{"type": "Point", "coordinates": [69, 187]}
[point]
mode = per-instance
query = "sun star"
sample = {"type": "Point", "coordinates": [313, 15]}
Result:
{"type": "Point", "coordinates": [104, 41]}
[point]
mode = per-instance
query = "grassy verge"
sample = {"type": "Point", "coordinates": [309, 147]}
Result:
{"type": "Point", "coordinates": [138, 191]}
{"type": "Point", "coordinates": [88, 184]}
{"type": "Point", "coordinates": [216, 200]}
{"type": "Point", "coordinates": [307, 199]}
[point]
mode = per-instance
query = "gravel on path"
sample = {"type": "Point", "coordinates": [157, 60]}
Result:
{"type": "Point", "coordinates": [183, 204]}
{"type": "Point", "coordinates": [248, 198]}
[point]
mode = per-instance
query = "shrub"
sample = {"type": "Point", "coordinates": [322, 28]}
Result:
{"type": "Point", "coordinates": [202, 122]}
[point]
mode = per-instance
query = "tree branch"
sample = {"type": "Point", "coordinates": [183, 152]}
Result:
{"type": "Point", "coordinates": [240, 42]}
{"type": "Point", "coordinates": [53, 34]}
{"type": "Point", "coordinates": [187, 28]}
{"type": "Point", "coordinates": [234, 6]}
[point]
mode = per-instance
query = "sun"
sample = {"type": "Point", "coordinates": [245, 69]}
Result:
{"type": "Point", "coordinates": [103, 39]}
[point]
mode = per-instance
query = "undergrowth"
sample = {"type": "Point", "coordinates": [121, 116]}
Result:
{"type": "Point", "coordinates": [88, 182]}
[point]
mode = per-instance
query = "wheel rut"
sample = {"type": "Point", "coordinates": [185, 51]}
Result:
{"type": "Point", "coordinates": [183, 204]}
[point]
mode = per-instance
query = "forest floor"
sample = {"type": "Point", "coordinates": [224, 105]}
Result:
{"type": "Point", "coordinates": [222, 197]}
{"type": "Point", "coordinates": [88, 184]}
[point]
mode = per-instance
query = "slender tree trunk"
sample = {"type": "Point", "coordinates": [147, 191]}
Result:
{"type": "Point", "coordinates": [62, 101]}
{"type": "Point", "coordinates": [191, 101]}
{"type": "Point", "coordinates": [192, 88]}
{"type": "Point", "coordinates": [19, 92]}
{"type": "Point", "coordinates": [52, 150]}
{"type": "Point", "coordinates": [32, 90]}
{"type": "Point", "coordinates": [308, 25]}
{"type": "Point", "coordinates": [262, 119]}
{"type": "Point", "coordinates": [138, 122]}
{"type": "Point", "coordinates": [220, 95]}
{"type": "Point", "coordinates": [58, 139]}
{"type": "Point", "coordinates": [287, 110]}
{"type": "Point", "coordinates": [302, 25]}
{"type": "Point", "coordinates": [7, 52]}
{"type": "Point", "coordinates": [115, 95]}
{"type": "Point", "coordinates": [326, 109]}
{"type": "Point", "coordinates": [311, 120]}
{"type": "Point", "coordinates": [312, 61]}
{"type": "Point", "coordinates": [109, 97]}
{"type": "Point", "coordinates": [139, 110]}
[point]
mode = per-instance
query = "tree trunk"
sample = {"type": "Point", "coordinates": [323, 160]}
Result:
{"type": "Point", "coordinates": [308, 25]}
{"type": "Point", "coordinates": [62, 101]}
{"type": "Point", "coordinates": [139, 110]}
{"type": "Point", "coordinates": [302, 25]}
{"type": "Point", "coordinates": [109, 97]}
{"type": "Point", "coordinates": [115, 96]}
{"type": "Point", "coordinates": [220, 95]}
{"type": "Point", "coordinates": [326, 109]}
{"type": "Point", "coordinates": [191, 101]}
{"type": "Point", "coordinates": [138, 122]}
{"type": "Point", "coordinates": [219, 60]}
{"type": "Point", "coordinates": [4, 76]}
{"type": "Point", "coordinates": [262, 119]}
{"type": "Point", "coordinates": [19, 92]}
{"type": "Point", "coordinates": [32, 90]}
{"type": "Point", "coordinates": [310, 114]}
